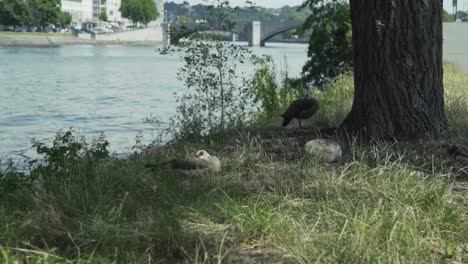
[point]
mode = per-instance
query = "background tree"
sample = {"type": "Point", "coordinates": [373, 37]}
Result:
{"type": "Point", "coordinates": [46, 12]}
{"type": "Point", "coordinates": [397, 53]}
{"type": "Point", "coordinates": [15, 13]}
{"type": "Point", "coordinates": [103, 15]}
{"type": "Point", "coordinates": [185, 20]}
{"type": "Point", "coordinates": [65, 19]}
{"type": "Point", "coordinates": [330, 47]}
{"type": "Point", "coordinates": [247, 13]}
{"type": "Point", "coordinates": [447, 17]}
{"type": "Point", "coordinates": [293, 13]}
{"type": "Point", "coordinates": [36, 16]}
{"type": "Point", "coordinates": [295, 17]}
{"type": "Point", "coordinates": [143, 11]}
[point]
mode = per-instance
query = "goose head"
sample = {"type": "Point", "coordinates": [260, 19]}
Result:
{"type": "Point", "coordinates": [203, 154]}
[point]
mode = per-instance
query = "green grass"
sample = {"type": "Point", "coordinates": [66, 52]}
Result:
{"type": "Point", "coordinates": [456, 100]}
{"type": "Point", "coordinates": [375, 208]}
{"type": "Point", "coordinates": [33, 34]}
{"type": "Point", "coordinates": [335, 102]}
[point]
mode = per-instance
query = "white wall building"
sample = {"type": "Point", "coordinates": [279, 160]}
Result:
{"type": "Point", "coordinates": [80, 10]}
{"type": "Point", "coordinates": [160, 7]}
{"type": "Point", "coordinates": [88, 10]}
{"type": "Point", "coordinates": [112, 9]}
{"type": "Point", "coordinates": [97, 5]}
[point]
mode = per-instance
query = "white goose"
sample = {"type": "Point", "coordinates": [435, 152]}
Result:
{"type": "Point", "coordinates": [202, 164]}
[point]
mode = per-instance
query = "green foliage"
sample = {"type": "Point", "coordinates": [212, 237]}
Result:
{"type": "Point", "coordinates": [15, 13]}
{"type": "Point", "coordinates": [86, 205]}
{"type": "Point", "coordinates": [218, 93]}
{"type": "Point", "coordinates": [32, 12]}
{"type": "Point", "coordinates": [446, 16]}
{"type": "Point", "coordinates": [247, 13]}
{"type": "Point", "coordinates": [335, 99]}
{"type": "Point", "coordinates": [374, 208]}
{"type": "Point", "coordinates": [330, 46]}
{"type": "Point", "coordinates": [46, 12]}
{"type": "Point", "coordinates": [103, 15]}
{"type": "Point", "coordinates": [456, 101]}
{"type": "Point", "coordinates": [11, 180]}
{"type": "Point", "coordinates": [67, 149]}
{"type": "Point", "coordinates": [273, 96]}
{"type": "Point", "coordinates": [266, 91]}
{"type": "Point", "coordinates": [65, 19]}
{"type": "Point", "coordinates": [185, 20]}
{"type": "Point", "coordinates": [143, 11]}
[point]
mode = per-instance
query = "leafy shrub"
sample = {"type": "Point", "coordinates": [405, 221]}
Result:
{"type": "Point", "coordinates": [67, 149]}
{"type": "Point", "coordinates": [219, 91]}
{"type": "Point", "coordinates": [271, 95]}
{"type": "Point", "coordinates": [12, 180]}
{"type": "Point", "coordinates": [330, 46]}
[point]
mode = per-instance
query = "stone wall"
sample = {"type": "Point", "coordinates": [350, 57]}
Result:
{"type": "Point", "coordinates": [39, 40]}
{"type": "Point", "coordinates": [150, 34]}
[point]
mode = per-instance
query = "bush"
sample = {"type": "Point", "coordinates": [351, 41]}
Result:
{"type": "Point", "coordinates": [219, 92]}
{"type": "Point", "coordinates": [67, 149]}
{"type": "Point", "coordinates": [271, 95]}
{"type": "Point", "coordinates": [84, 204]}
{"type": "Point", "coordinates": [330, 46]}
{"type": "Point", "coordinates": [11, 180]}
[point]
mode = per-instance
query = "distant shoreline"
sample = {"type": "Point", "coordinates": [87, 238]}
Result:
{"type": "Point", "coordinates": [13, 39]}
{"type": "Point", "coordinates": [55, 40]}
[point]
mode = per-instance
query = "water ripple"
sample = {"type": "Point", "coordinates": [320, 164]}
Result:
{"type": "Point", "coordinates": [92, 88]}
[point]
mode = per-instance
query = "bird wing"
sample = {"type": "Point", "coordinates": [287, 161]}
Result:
{"type": "Point", "coordinates": [293, 109]}
{"type": "Point", "coordinates": [307, 108]}
{"type": "Point", "coordinates": [299, 106]}
{"type": "Point", "coordinates": [181, 164]}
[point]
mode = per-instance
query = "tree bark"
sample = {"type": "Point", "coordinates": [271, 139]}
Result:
{"type": "Point", "coordinates": [397, 53]}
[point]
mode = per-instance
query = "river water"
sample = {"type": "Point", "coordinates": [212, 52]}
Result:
{"type": "Point", "coordinates": [95, 88]}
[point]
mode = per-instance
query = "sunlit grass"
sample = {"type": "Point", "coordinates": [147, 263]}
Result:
{"type": "Point", "coordinates": [336, 101]}
{"type": "Point", "coordinates": [456, 100]}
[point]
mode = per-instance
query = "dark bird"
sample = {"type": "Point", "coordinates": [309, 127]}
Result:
{"type": "Point", "coordinates": [300, 109]}
{"type": "Point", "coordinates": [203, 163]}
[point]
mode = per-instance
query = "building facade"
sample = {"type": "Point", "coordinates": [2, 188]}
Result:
{"type": "Point", "coordinates": [112, 9]}
{"type": "Point", "coordinates": [90, 10]}
{"type": "Point", "coordinates": [80, 10]}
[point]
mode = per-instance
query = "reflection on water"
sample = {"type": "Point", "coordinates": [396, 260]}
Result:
{"type": "Point", "coordinates": [94, 88]}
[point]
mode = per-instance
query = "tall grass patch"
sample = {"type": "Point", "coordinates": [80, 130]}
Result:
{"type": "Point", "coordinates": [82, 206]}
{"type": "Point", "coordinates": [456, 100]}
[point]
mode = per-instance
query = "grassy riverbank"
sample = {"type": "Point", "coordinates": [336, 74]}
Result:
{"type": "Point", "coordinates": [38, 39]}
{"type": "Point", "coordinates": [270, 204]}
{"type": "Point", "coordinates": [33, 39]}
{"type": "Point", "coordinates": [33, 33]}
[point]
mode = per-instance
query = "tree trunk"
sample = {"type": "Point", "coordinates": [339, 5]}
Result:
{"type": "Point", "coordinates": [397, 53]}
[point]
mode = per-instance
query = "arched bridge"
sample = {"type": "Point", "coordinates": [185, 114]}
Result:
{"type": "Point", "coordinates": [255, 32]}
{"type": "Point", "coordinates": [260, 32]}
